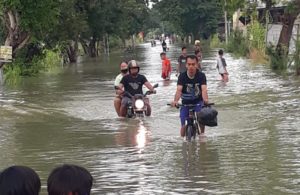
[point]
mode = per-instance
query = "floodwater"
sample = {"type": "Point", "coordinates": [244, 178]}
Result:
{"type": "Point", "coordinates": [69, 118]}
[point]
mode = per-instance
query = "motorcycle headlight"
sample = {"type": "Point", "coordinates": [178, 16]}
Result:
{"type": "Point", "coordinates": [139, 104]}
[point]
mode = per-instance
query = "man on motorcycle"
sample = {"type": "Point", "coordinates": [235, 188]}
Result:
{"type": "Point", "coordinates": [133, 84]}
{"type": "Point", "coordinates": [192, 89]}
{"type": "Point", "coordinates": [118, 98]}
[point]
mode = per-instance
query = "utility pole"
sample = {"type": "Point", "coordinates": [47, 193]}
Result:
{"type": "Point", "coordinates": [226, 25]}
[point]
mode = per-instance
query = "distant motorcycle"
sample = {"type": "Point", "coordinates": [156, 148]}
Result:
{"type": "Point", "coordinates": [137, 107]}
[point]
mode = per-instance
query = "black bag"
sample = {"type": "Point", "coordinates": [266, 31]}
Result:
{"type": "Point", "coordinates": [208, 116]}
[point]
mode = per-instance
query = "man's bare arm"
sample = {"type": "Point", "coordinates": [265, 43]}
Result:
{"type": "Point", "coordinates": [204, 93]}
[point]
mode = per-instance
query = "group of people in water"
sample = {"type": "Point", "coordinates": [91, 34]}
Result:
{"type": "Point", "coordinates": [63, 180]}
{"type": "Point", "coordinates": [191, 83]}
{"type": "Point", "coordinates": [75, 180]}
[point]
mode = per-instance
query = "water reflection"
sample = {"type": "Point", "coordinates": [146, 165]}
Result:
{"type": "Point", "coordinates": [201, 166]}
{"type": "Point", "coordinates": [141, 136]}
{"type": "Point", "coordinates": [135, 135]}
{"type": "Point", "coordinates": [167, 82]}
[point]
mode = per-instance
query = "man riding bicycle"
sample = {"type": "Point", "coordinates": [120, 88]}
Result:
{"type": "Point", "coordinates": [192, 89]}
{"type": "Point", "coordinates": [133, 84]}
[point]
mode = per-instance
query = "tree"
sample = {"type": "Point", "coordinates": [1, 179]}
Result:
{"type": "Point", "coordinates": [229, 7]}
{"type": "Point", "coordinates": [121, 18]}
{"type": "Point", "coordinates": [290, 14]}
{"type": "Point", "coordinates": [191, 17]}
{"type": "Point", "coordinates": [71, 24]}
{"type": "Point", "coordinates": [136, 13]}
{"type": "Point", "coordinates": [26, 19]}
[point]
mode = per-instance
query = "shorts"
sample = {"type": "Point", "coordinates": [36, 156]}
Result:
{"type": "Point", "coordinates": [184, 112]}
{"type": "Point", "coordinates": [165, 75]}
{"type": "Point", "coordinates": [125, 101]}
{"type": "Point", "coordinates": [223, 74]}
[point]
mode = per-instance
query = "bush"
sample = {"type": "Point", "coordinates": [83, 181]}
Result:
{"type": "Point", "coordinates": [115, 42]}
{"type": "Point", "coordinates": [278, 61]}
{"type": "Point", "coordinates": [12, 73]}
{"type": "Point", "coordinates": [296, 57]}
{"type": "Point", "coordinates": [49, 61]}
{"type": "Point", "coordinates": [257, 37]}
{"type": "Point", "coordinates": [238, 44]}
{"type": "Point", "coordinates": [215, 41]}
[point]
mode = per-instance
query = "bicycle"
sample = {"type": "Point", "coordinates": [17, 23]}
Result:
{"type": "Point", "coordinates": [192, 125]}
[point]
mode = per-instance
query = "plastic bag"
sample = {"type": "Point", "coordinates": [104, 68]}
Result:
{"type": "Point", "coordinates": [208, 116]}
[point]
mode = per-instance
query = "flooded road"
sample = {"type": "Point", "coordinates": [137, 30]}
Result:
{"type": "Point", "coordinates": [69, 118]}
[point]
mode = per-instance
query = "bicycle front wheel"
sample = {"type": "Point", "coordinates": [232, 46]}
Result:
{"type": "Point", "coordinates": [189, 133]}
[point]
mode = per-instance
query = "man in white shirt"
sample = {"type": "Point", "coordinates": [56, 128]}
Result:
{"type": "Point", "coordinates": [118, 98]}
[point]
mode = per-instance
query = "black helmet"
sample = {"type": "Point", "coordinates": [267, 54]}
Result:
{"type": "Point", "coordinates": [133, 64]}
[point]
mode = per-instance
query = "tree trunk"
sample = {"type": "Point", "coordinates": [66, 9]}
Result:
{"type": "Point", "coordinates": [1, 75]}
{"type": "Point", "coordinates": [124, 42]}
{"type": "Point", "coordinates": [92, 48]}
{"type": "Point", "coordinates": [107, 43]}
{"type": "Point", "coordinates": [104, 44]}
{"type": "Point", "coordinates": [132, 42]}
{"type": "Point", "coordinates": [72, 51]}
{"type": "Point", "coordinates": [237, 20]}
{"type": "Point", "coordinates": [288, 20]}
{"type": "Point", "coordinates": [98, 47]}
{"type": "Point", "coordinates": [286, 34]}
{"type": "Point", "coordinates": [226, 27]}
{"type": "Point", "coordinates": [84, 46]}
{"type": "Point", "coordinates": [192, 38]}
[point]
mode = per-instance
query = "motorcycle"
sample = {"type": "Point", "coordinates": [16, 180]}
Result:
{"type": "Point", "coordinates": [137, 106]}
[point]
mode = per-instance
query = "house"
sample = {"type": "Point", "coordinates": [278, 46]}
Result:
{"type": "Point", "coordinates": [275, 23]}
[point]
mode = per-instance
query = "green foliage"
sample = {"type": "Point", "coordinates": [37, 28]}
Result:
{"type": "Point", "coordinates": [296, 66]}
{"type": "Point", "coordinates": [135, 13]}
{"type": "Point", "coordinates": [278, 62]}
{"type": "Point", "coordinates": [51, 60]}
{"type": "Point", "coordinates": [12, 73]}
{"type": "Point", "coordinates": [115, 17]}
{"type": "Point", "coordinates": [114, 42]}
{"type": "Point", "coordinates": [153, 20]}
{"type": "Point", "coordinates": [238, 44]}
{"type": "Point", "coordinates": [257, 34]}
{"type": "Point", "coordinates": [71, 23]}
{"type": "Point", "coordinates": [36, 17]}
{"type": "Point", "coordinates": [191, 16]}
{"type": "Point", "coordinates": [233, 5]}
{"type": "Point", "coordinates": [215, 42]}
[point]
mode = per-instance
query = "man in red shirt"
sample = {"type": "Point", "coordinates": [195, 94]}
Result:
{"type": "Point", "coordinates": [166, 66]}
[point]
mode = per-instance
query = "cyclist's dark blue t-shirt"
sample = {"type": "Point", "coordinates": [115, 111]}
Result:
{"type": "Point", "coordinates": [134, 85]}
{"type": "Point", "coordinates": [191, 91]}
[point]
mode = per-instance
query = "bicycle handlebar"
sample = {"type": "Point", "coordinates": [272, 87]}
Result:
{"type": "Point", "coordinates": [191, 105]}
